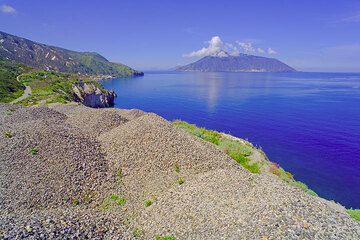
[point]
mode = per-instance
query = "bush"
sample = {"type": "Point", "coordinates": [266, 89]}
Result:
{"type": "Point", "coordinates": [177, 168]}
{"type": "Point", "coordinates": [10, 88]}
{"type": "Point", "coordinates": [148, 203]}
{"type": "Point", "coordinates": [354, 213]}
{"type": "Point", "coordinates": [239, 152]}
{"type": "Point", "coordinates": [8, 135]}
{"type": "Point", "coordinates": [235, 149]}
{"type": "Point", "coordinates": [113, 200]}
{"type": "Point", "coordinates": [181, 181]}
{"type": "Point", "coordinates": [34, 151]}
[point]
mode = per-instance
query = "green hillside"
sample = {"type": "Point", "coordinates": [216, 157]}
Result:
{"type": "Point", "coordinates": [10, 88]}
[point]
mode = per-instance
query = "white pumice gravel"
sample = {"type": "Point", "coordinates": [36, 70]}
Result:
{"type": "Point", "coordinates": [63, 168]}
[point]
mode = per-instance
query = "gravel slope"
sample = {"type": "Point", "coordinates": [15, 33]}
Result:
{"type": "Point", "coordinates": [85, 155]}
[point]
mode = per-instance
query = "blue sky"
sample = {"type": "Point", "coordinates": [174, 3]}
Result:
{"type": "Point", "coordinates": [308, 35]}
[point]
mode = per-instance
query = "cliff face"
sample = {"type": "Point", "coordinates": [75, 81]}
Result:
{"type": "Point", "coordinates": [93, 96]}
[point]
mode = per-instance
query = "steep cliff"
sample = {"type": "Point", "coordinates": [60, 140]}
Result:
{"type": "Point", "coordinates": [93, 95]}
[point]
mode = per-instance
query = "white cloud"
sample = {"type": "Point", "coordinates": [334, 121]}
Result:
{"type": "Point", "coordinates": [246, 46]}
{"type": "Point", "coordinates": [7, 9]}
{"type": "Point", "coordinates": [217, 47]}
{"type": "Point", "coordinates": [260, 50]}
{"type": "Point", "coordinates": [271, 51]}
{"type": "Point", "coordinates": [231, 49]}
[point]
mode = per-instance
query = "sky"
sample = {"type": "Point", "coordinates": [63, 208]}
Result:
{"type": "Point", "coordinates": [319, 35]}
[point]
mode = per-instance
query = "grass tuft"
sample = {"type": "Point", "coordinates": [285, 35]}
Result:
{"type": "Point", "coordinates": [8, 134]}
{"type": "Point", "coordinates": [119, 174]}
{"type": "Point", "coordinates": [235, 149]}
{"type": "Point", "coordinates": [75, 202]}
{"type": "Point", "coordinates": [181, 180]}
{"type": "Point", "coordinates": [354, 213]}
{"type": "Point", "coordinates": [207, 135]}
{"type": "Point", "coordinates": [113, 200]}
{"type": "Point", "coordinates": [10, 88]}
{"type": "Point", "coordinates": [148, 203]}
{"type": "Point", "coordinates": [288, 177]}
{"type": "Point", "coordinates": [240, 152]}
{"type": "Point", "coordinates": [34, 151]}
{"type": "Point", "coordinates": [177, 168]}
{"type": "Point", "coordinates": [137, 233]}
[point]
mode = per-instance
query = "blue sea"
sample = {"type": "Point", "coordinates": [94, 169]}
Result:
{"type": "Point", "coordinates": [309, 123]}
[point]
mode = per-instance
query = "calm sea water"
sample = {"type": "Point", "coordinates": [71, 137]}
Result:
{"type": "Point", "coordinates": [309, 123]}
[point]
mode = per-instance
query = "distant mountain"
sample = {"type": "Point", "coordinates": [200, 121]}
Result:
{"type": "Point", "coordinates": [52, 58]}
{"type": "Point", "coordinates": [223, 62]}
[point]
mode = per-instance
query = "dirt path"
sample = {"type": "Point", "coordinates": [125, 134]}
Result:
{"type": "Point", "coordinates": [26, 94]}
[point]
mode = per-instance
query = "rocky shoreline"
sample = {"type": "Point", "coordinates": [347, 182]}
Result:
{"type": "Point", "coordinates": [69, 171]}
{"type": "Point", "coordinates": [93, 96]}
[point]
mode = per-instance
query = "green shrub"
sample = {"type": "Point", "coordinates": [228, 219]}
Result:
{"type": "Point", "coordinates": [181, 180]}
{"type": "Point", "coordinates": [75, 202]}
{"type": "Point", "coordinates": [207, 135]}
{"type": "Point", "coordinates": [235, 149]}
{"type": "Point", "coordinates": [34, 151]}
{"type": "Point", "coordinates": [119, 174]}
{"type": "Point", "coordinates": [51, 87]}
{"type": "Point", "coordinates": [10, 88]}
{"type": "Point", "coordinates": [354, 213]}
{"type": "Point", "coordinates": [113, 200]}
{"type": "Point", "coordinates": [8, 134]}
{"type": "Point", "coordinates": [288, 177]}
{"type": "Point", "coordinates": [138, 233]}
{"type": "Point", "coordinates": [148, 202]}
{"type": "Point", "coordinates": [118, 200]}
{"type": "Point", "coordinates": [235, 146]}
{"type": "Point", "coordinates": [177, 168]}
{"type": "Point", "coordinates": [240, 152]}
{"type": "Point", "coordinates": [243, 160]}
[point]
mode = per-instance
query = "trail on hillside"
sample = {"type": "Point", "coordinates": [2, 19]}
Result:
{"type": "Point", "coordinates": [26, 94]}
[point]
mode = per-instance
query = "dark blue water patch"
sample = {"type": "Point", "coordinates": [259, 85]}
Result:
{"type": "Point", "coordinates": [309, 123]}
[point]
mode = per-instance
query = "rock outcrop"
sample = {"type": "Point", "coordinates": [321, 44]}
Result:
{"type": "Point", "coordinates": [93, 96]}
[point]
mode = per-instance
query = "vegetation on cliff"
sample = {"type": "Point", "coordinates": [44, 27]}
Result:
{"type": "Point", "coordinates": [235, 149]}
{"type": "Point", "coordinates": [94, 63]}
{"type": "Point", "coordinates": [354, 213]}
{"type": "Point", "coordinates": [10, 88]}
{"type": "Point", "coordinates": [244, 153]}
{"type": "Point", "coordinates": [51, 58]}
{"type": "Point", "coordinates": [241, 151]}
{"type": "Point", "coordinates": [46, 86]}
